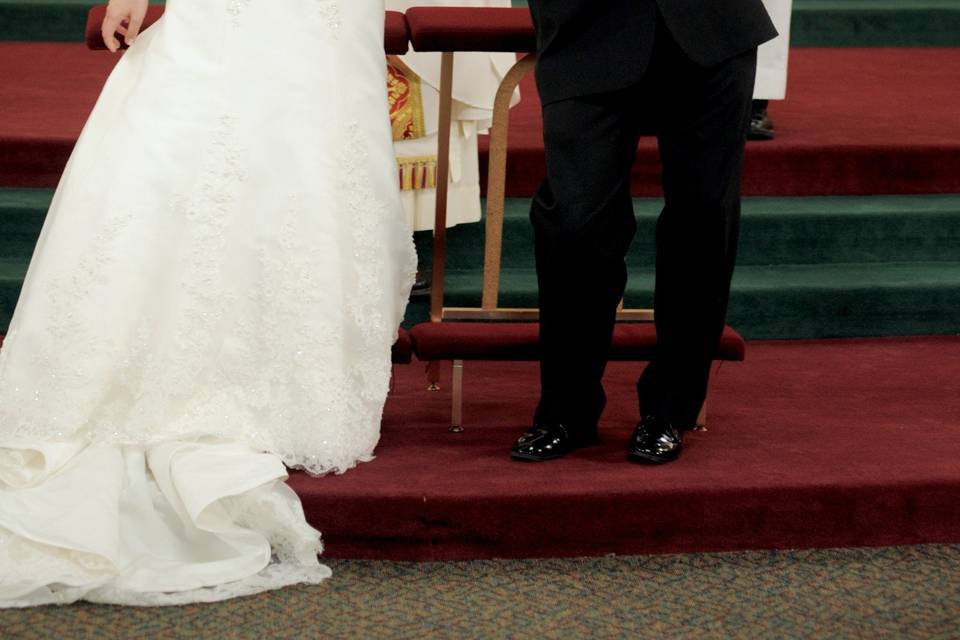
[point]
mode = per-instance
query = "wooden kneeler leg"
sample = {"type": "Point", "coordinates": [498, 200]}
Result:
{"type": "Point", "coordinates": [456, 411]}
{"type": "Point", "coordinates": [433, 376]}
{"type": "Point", "coordinates": [702, 418]}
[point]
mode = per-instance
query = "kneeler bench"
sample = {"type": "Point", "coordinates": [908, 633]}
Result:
{"type": "Point", "coordinates": [491, 332]}
{"type": "Point", "coordinates": [396, 42]}
{"type": "Point", "coordinates": [402, 348]}
{"type": "Point", "coordinates": [396, 37]}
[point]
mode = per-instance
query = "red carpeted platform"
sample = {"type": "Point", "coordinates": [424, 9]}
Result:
{"type": "Point", "coordinates": [811, 444]}
{"type": "Point", "coordinates": [857, 121]}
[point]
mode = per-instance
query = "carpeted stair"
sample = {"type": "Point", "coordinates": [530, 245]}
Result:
{"type": "Point", "coordinates": [810, 443]}
{"type": "Point", "coordinates": [808, 267]}
{"type": "Point", "coordinates": [871, 23]}
{"type": "Point", "coordinates": [816, 23]}
{"type": "Point", "coordinates": [852, 124]}
{"type": "Point", "coordinates": [835, 443]}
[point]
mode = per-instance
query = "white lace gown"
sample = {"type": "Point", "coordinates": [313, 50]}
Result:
{"type": "Point", "coordinates": [214, 294]}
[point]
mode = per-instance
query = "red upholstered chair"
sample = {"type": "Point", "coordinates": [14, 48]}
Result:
{"type": "Point", "coordinates": [491, 332]}
{"type": "Point", "coordinates": [396, 36]}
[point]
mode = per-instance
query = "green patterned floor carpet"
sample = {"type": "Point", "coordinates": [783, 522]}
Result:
{"type": "Point", "coordinates": [902, 592]}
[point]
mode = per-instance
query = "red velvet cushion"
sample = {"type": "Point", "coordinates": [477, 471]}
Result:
{"type": "Point", "coordinates": [632, 341]}
{"type": "Point", "coordinates": [402, 348]}
{"type": "Point", "coordinates": [396, 36]}
{"type": "Point", "coordinates": [471, 29]}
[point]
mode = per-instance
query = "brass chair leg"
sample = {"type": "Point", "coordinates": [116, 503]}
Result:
{"type": "Point", "coordinates": [702, 418]}
{"type": "Point", "coordinates": [443, 185]}
{"type": "Point", "coordinates": [456, 412]}
{"type": "Point", "coordinates": [497, 181]}
{"type": "Point", "coordinates": [433, 376]}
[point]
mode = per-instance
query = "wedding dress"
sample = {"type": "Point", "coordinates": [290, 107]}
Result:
{"type": "Point", "coordinates": [214, 294]}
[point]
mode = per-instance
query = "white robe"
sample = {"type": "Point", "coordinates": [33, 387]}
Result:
{"type": "Point", "coordinates": [772, 56]}
{"type": "Point", "coordinates": [477, 77]}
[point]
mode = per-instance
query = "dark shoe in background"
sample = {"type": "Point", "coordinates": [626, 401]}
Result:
{"type": "Point", "coordinates": [550, 441]}
{"type": "Point", "coordinates": [423, 242]}
{"type": "Point", "coordinates": [761, 126]}
{"type": "Point", "coordinates": [655, 441]}
{"type": "Point", "coordinates": [421, 286]}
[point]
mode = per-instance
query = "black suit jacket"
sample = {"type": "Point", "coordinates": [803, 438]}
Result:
{"type": "Point", "coordinates": [594, 46]}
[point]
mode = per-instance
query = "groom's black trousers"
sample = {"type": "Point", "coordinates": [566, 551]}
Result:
{"type": "Point", "coordinates": [584, 222]}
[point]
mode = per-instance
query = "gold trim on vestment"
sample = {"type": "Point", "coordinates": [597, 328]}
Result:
{"type": "Point", "coordinates": [405, 97]}
{"type": "Point", "coordinates": [417, 172]}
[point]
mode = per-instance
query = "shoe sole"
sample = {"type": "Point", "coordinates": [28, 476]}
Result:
{"type": "Point", "coordinates": [650, 459]}
{"type": "Point", "coordinates": [529, 458]}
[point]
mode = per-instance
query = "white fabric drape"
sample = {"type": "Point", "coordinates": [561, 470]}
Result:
{"type": "Point", "coordinates": [215, 293]}
{"type": "Point", "coordinates": [773, 56]}
{"type": "Point", "coordinates": [476, 79]}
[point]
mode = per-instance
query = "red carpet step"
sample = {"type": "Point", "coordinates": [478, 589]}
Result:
{"type": "Point", "coordinates": [857, 121]}
{"type": "Point", "coordinates": [811, 444]}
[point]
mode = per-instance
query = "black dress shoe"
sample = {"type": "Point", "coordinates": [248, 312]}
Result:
{"type": "Point", "coordinates": [548, 442]}
{"type": "Point", "coordinates": [422, 284]}
{"type": "Point", "coordinates": [656, 441]}
{"type": "Point", "coordinates": [761, 126]}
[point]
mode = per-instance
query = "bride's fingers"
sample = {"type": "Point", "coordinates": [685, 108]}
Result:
{"type": "Point", "coordinates": [109, 29]}
{"type": "Point", "coordinates": [136, 21]}
{"type": "Point", "coordinates": [122, 30]}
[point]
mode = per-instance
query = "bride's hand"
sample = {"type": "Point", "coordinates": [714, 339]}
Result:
{"type": "Point", "coordinates": [125, 17]}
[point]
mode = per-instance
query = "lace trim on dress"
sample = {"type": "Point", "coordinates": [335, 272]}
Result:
{"type": "Point", "coordinates": [371, 332]}
{"type": "Point", "coordinates": [213, 371]}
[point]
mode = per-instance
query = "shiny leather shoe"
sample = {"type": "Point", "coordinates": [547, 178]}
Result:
{"type": "Point", "coordinates": [548, 442]}
{"type": "Point", "coordinates": [761, 126]}
{"type": "Point", "coordinates": [655, 441]}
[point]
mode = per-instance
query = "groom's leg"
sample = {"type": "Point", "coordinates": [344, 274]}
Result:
{"type": "Point", "coordinates": [703, 125]}
{"type": "Point", "coordinates": [583, 222]}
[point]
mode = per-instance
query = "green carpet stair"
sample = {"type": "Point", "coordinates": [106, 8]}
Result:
{"type": "Point", "coordinates": [816, 23]}
{"type": "Point", "coordinates": [807, 268]}
{"type": "Point", "coordinates": [795, 301]}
